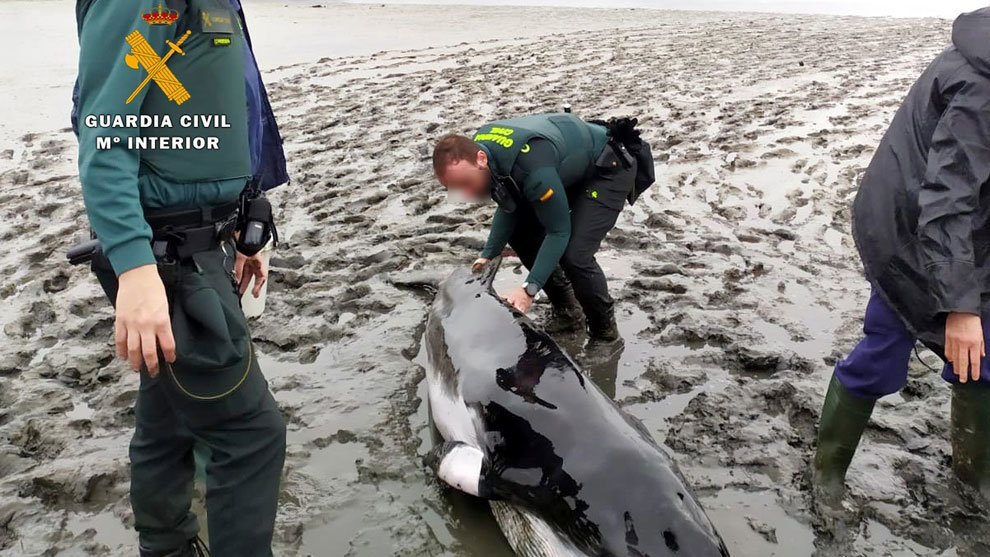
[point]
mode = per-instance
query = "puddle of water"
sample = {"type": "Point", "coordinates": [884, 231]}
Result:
{"type": "Point", "coordinates": [110, 531]}
{"type": "Point", "coordinates": [799, 323]}
{"type": "Point", "coordinates": [654, 415]}
{"type": "Point", "coordinates": [338, 408]}
{"type": "Point", "coordinates": [466, 523]}
{"type": "Point", "coordinates": [773, 334]}
{"type": "Point", "coordinates": [737, 513]}
{"type": "Point", "coordinates": [616, 375]}
{"type": "Point", "coordinates": [80, 411]}
{"type": "Point", "coordinates": [879, 535]}
{"type": "Point", "coordinates": [336, 461]}
{"type": "Point", "coordinates": [833, 239]}
{"type": "Point", "coordinates": [336, 533]}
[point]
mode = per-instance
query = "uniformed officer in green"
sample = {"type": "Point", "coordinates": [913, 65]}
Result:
{"type": "Point", "coordinates": [165, 214]}
{"type": "Point", "coordinates": [559, 183]}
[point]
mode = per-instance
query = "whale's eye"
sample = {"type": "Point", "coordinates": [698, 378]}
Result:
{"type": "Point", "coordinates": [671, 540]}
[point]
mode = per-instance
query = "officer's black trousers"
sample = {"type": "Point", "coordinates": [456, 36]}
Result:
{"type": "Point", "coordinates": [595, 207]}
{"type": "Point", "coordinates": [227, 410]}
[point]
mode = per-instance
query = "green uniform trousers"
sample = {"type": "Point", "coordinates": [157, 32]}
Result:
{"type": "Point", "coordinates": [215, 397]}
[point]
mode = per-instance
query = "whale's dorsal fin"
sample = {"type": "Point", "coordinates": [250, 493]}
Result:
{"type": "Point", "coordinates": [488, 272]}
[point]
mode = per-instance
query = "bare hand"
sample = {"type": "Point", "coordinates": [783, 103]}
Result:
{"type": "Point", "coordinates": [479, 263]}
{"type": "Point", "coordinates": [246, 268]}
{"type": "Point", "coordinates": [520, 299]}
{"type": "Point", "coordinates": [964, 345]}
{"type": "Point", "coordinates": [142, 324]}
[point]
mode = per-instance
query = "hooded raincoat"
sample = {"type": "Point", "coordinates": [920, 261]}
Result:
{"type": "Point", "coordinates": [921, 219]}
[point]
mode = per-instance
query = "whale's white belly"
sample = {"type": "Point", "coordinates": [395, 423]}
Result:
{"type": "Point", "coordinates": [451, 416]}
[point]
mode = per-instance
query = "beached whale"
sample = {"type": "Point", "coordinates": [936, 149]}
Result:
{"type": "Point", "coordinates": [567, 472]}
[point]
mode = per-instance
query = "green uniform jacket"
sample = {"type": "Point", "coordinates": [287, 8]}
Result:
{"type": "Point", "coordinates": [123, 179]}
{"type": "Point", "coordinates": [547, 156]}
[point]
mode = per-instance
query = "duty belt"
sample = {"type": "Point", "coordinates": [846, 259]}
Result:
{"type": "Point", "coordinates": [177, 235]}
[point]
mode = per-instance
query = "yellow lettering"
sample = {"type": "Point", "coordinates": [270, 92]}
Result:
{"type": "Point", "coordinates": [497, 139]}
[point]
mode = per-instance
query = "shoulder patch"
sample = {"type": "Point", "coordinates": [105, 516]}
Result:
{"type": "Point", "coordinates": [546, 196]}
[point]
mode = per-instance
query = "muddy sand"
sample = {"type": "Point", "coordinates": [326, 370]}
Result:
{"type": "Point", "coordinates": [737, 283]}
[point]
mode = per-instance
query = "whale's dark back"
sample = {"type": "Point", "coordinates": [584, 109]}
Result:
{"type": "Point", "coordinates": [558, 446]}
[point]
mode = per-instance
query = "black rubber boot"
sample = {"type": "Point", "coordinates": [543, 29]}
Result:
{"type": "Point", "coordinates": [193, 548]}
{"type": "Point", "coordinates": [604, 330]}
{"type": "Point", "coordinates": [971, 436]}
{"type": "Point", "coordinates": [566, 317]}
{"type": "Point", "coordinates": [844, 418]}
{"type": "Point", "coordinates": [603, 338]}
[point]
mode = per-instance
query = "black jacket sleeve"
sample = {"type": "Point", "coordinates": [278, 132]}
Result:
{"type": "Point", "coordinates": [958, 166]}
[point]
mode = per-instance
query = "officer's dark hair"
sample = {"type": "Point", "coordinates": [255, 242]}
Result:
{"type": "Point", "coordinates": [453, 148]}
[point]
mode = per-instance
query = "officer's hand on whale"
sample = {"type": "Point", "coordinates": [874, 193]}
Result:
{"type": "Point", "coordinates": [479, 264]}
{"type": "Point", "coordinates": [520, 299]}
{"type": "Point", "coordinates": [142, 324]}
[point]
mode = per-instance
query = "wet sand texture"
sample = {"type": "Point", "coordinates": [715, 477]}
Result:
{"type": "Point", "coordinates": [737, 281]}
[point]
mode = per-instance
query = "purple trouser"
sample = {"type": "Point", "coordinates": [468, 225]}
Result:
{"type": "Point", "coordinates": [878, 365]}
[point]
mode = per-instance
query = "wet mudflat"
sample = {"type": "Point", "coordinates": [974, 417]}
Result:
{"type": "Point", "coordinates": [737, 282]}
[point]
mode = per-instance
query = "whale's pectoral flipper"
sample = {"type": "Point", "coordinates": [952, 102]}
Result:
{"type": "Point", "coordinates": [488, 272]}
{"type": "Point", "coordinates": [461, 466]}
{"type": "Point", "coordinates": [424, 281]}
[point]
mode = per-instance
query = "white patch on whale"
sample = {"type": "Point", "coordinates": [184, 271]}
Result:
{"type": "Point", "coordinates": [461, 468]}
{"type": "Point", "coordinates": [451, 416]}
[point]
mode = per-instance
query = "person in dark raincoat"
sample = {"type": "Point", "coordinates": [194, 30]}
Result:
{"type": "Point", "coordinates": [920, 222]}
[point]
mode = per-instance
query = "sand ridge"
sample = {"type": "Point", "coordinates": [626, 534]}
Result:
{"type": "Point", "coordinates": [737, 282]}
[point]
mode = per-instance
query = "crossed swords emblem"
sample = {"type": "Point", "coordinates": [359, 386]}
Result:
{"type": "Point", "coordinates": [142, 53]}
